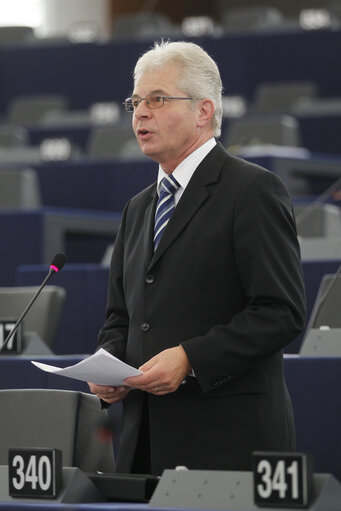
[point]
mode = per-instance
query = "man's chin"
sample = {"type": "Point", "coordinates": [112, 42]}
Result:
{"type": "Point", "coordinates": [148, 151]}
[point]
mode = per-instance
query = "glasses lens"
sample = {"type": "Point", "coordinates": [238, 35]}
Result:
{"type": "Point", "coordinates": [129, 105]}
{"type": "Point", "coordinates": [154, 101]}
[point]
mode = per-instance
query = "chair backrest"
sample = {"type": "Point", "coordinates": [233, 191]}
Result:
{"type": "Point", "coordinates": [65, 420]}
{"type": "Point", "coordinates": [318, 220]}
{"type": "Point", "coordinates": [282, 130]}
{"type": "Point", "coordinates": [19, 189]}
{"type": "Point", "coordinates": [281, 96]}
{"type": "Point", "coordinates": [31, 109]}
{"type": "Point", "coordinates": [16, 35]}
{"type": "Point", "coordinates": [13, 136]}
{"type": "Point", "coordinates": [251, 18]}
{"type": "Point", "coordinates": [144, 25]}
{"type": "Point", "coordinates": [44, 316]}
{"type": "Point", "coordinates": [317, 106]}
{"type": "Point", "coordinates": [108, 141]}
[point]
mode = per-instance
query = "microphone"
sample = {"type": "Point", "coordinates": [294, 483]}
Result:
{"type": "Point", "coordinates": [56, 265]}
{"type": "Point", "coordinates": [332, 190]}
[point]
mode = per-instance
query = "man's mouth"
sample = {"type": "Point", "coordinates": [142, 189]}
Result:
{"type": "Point", "coordinates": [143, 134]}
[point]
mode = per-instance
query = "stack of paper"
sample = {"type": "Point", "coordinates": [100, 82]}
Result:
{"type": "Point", "coordinates": [101, 368]}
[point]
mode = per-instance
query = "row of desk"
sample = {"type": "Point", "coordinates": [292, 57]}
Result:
{"type": "Point", "coordinates": [107, 185]}
{"type": "Point", "coordinates": [319, 132]}
{"type": "Point", "coordinates": [244, 61]}
{"type": "Point", "coordinates": [86, 293]}
{"type": "Point", "coordinates": [313, 383]}
{"type": "Point", "coordinates": [34, 237]}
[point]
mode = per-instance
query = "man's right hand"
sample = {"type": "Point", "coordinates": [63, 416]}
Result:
{"type": "Point", "coordinates": [109, 394]}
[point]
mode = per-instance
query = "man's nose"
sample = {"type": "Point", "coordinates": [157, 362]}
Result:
{"type": "Point", "coordinates": [142, 110]}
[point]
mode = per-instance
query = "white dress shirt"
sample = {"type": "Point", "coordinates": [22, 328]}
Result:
{"type": "Point", "coordinates": [183, 173]}
{"type": "Point", "coordinates": [185, 170]}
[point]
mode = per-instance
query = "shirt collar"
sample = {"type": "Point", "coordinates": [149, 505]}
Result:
{"type": "Point", "coordinates": [185, 170]}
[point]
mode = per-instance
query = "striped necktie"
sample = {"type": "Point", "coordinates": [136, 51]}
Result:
{"type": "Point", "coordinates": [165, 206]}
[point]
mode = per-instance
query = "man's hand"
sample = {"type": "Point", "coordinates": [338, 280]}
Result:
{"type": "Point", "coordinates": [163, 373]}
{"type": "Point", "coordinates": [109, 394]}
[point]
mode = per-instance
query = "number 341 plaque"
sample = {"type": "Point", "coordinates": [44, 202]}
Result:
{"type": "Point", "coordinates": [282, 479]}
{"type": "Point", "coordinates": [34, 472]}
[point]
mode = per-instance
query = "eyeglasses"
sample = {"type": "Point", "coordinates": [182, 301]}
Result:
{"type": "Point", "coordinates": [152, 102]}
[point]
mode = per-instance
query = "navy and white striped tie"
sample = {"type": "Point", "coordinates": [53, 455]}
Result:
{"type": "Point", "coordinates": [165, 206]}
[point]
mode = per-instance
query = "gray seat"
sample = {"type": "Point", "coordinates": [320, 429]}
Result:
{"type": "Point", "coordinates": [12, 35]}
{"type": "Point", "coordinates": [281, 97]}
{"type": "Point", "coordinates": [13, 136]}
{"type": "Point", "coordinates": [21, 155]}
{"type": "Point", "coordinates": [315, 221]}
{"type": "Point", "coordinates": [66, 118]}
{"type": "Point", "coordinates": [249, 19]}
{"type": "Point", "coordinates": [334, 8]}
{"type": "Point", "coordinates": [19, 189]}
{"type": "Point", "coordinates": [110, 141]}
{"type": "Point", "coordinates": [59, 419]}
{"type": "Point", "coordinates": [282, 130]}
{"type": "Point", "coordinates": [320, 249]}
{"type": "Point", "coordinates": [144, 25]}
{"type": "Point", "coordinates": [44, 316]}
{"type": "Point", "coordinates": [317, 106]}
{"type": "Point", "coordinates": [326, 310]}
{"type": "Point", "coordinates": [323, 333]}
{"type": "Point", "coordinates": [31, 109]}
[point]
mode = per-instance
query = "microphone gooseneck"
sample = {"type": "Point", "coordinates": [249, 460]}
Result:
{"type": "Point", "coordinates": [57, 264]}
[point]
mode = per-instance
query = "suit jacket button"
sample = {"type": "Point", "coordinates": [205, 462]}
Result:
{"type": "Point", "coordinates": [149, 279]}
{"type": "Point", "coordinates": [145, 326]}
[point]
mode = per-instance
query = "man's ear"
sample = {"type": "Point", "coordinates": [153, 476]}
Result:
{"type": "Point", "coordinates": [206, 112]}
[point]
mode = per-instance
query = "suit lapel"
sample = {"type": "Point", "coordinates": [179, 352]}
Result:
{"type": "Point", "coordinates": [192, 199]}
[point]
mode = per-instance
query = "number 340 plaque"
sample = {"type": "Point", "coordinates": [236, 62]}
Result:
{"type": "Point", "coordinates": [34, 472]}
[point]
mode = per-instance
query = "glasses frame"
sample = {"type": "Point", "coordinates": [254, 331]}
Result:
{"type": "Point", "coordinates": [128, 103]}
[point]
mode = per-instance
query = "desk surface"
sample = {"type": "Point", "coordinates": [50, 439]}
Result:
{"type": "Point", "coordinates": [50, 505]}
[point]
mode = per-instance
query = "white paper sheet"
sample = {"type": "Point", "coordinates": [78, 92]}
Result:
{"type": "Point", "coordinates": [101, 368]}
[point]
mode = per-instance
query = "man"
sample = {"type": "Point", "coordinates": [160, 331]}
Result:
{"type": "Point", "coordinates": [205, 304]}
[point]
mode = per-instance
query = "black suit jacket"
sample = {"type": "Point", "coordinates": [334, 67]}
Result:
{"type": "Point", "coordinates": [226, 283]}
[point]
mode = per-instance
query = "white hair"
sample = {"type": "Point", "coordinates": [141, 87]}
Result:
{"type": "Point", "coordinates": [199, 77]}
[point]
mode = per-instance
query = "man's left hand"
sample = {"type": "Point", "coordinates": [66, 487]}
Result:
{"type": "Point", "coordinates": [163, 373]}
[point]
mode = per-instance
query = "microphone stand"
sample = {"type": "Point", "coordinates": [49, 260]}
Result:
{"type": "Point", "coordinates": [18, 323]}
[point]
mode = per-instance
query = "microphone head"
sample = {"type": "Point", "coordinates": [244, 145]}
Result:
{"type": "Point", "coordinates": [58, 262]}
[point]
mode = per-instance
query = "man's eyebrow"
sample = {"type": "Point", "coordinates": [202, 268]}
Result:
{"type": "Point", "coordinates": [153, 93]}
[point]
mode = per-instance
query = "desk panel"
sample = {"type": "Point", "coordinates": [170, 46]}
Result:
{"type": "Point", "coordinates": [96, 185]}
{"type": "Point", "coordinates": [315, 388]}
{"type": "Point", "coordinates": [19, 373]}
{"type": "Point", "coordinates": [35, 237]}
{"type": "Point", "coordinates": [86, 292]}
{"type": "Point", "coordinates": [303, 175]}
{"type": "Point", "coordinates": [108, 185]}
{"type": "Point", "coordinates": [313, 383]}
